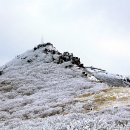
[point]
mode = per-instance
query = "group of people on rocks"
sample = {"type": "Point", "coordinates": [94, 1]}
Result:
{"type": "Point", "coordinates": [65, 57]}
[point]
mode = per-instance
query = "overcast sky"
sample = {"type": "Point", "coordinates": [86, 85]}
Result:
{"type": "Point", "coordinates": [97, 31]}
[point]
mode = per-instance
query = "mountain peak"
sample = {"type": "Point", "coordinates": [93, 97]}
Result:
{"type": "Point", "coordinates": [47, 53]}
{"type": "Point", "coordinates": [46, 88]}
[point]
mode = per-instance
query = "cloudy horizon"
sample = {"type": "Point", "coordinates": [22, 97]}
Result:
{"type": "Point", "coordinates": [96, 31]}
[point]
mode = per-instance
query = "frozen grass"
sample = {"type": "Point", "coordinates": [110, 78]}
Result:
{"type": "Point", "coordinates": [42, 95]}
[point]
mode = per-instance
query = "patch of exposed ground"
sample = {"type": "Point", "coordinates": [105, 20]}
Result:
{"type": "Point", "coordinates": [106, 98]}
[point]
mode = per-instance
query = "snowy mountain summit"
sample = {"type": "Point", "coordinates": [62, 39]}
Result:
{"type": "Point", "coordinates": [44, 89]}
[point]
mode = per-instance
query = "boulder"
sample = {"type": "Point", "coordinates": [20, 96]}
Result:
{"type": "Point", "coordinates": [29, 61]}
{"type": "Point", "coordinates": [81, 65]}
{"type": "Point", "coordinates": [1, 72]}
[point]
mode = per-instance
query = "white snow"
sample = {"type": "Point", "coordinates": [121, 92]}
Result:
{"type": "Point", "coordinates": [43, 95]}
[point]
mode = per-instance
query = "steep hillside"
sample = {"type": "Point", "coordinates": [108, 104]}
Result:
{"type": "Point", "coordinates": [44, 89]}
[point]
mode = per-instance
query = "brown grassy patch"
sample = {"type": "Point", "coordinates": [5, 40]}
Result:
{"type": "Point", "coordinates": [101, 99]}
{"type": "Point", "coordinates": [108, 97]}
{"type": "Point", "coordinates": [85, 95]}
{"type": "Point", "coordinates": [6, 88]}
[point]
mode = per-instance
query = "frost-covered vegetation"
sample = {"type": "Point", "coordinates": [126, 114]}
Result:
{"type": "Point", "coordinates": [44, 89]}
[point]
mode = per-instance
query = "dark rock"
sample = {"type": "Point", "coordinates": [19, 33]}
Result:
{"type": "Point", "coordinates": [29, 61]}
{"type": "Point", "coordinates": [83, 73]}
{"type": "Point", "coordinates": [76, 60]}
{"type": "Point", "coordinates": [61, 61]}
{"type": "Point", "coordinates": [43, 45]}
{"type": "Point", "coordinates": [53, 59]}
{"type": "Point", "coordinates": [127, 79]}
{"type": "Point", "coordinates": [86, 75]}
{"type": "Point", "coordinates": [81, 65]}
{"type": "Point", "coordinates": [35, 48]}
{"type": "Point", "coordinates": [45, 51]}
{"type": "Point", "coordinates": [72, 62]}
{"type": "Point", "coordinates": [1, 72]}
{"type": "Point", "coordinates": [53, 52]}
{"type": "Point", "coordinates": [24, 57]}
{"type": "Point", "coordinates": [71, 55]}
{"type": "Point", "coordinates": [66, 54]}
{"type": "Point", "coordinates": [36, 56]}
{"type": "Point", "coordinates": [69, 66]}
{"type": "Point", "coordinates": [58, 53]}
{"type": "Point", "coordinates": [64, 58]}
{"type": "Point", "coordinates": [48, 44]}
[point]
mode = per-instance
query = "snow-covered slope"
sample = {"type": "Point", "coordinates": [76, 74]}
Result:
{"type": "Point", "coordinates": [44, 89]}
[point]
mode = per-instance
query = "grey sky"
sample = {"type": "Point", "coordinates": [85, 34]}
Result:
{"type": "Point", "coordinates": [98, 31]}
